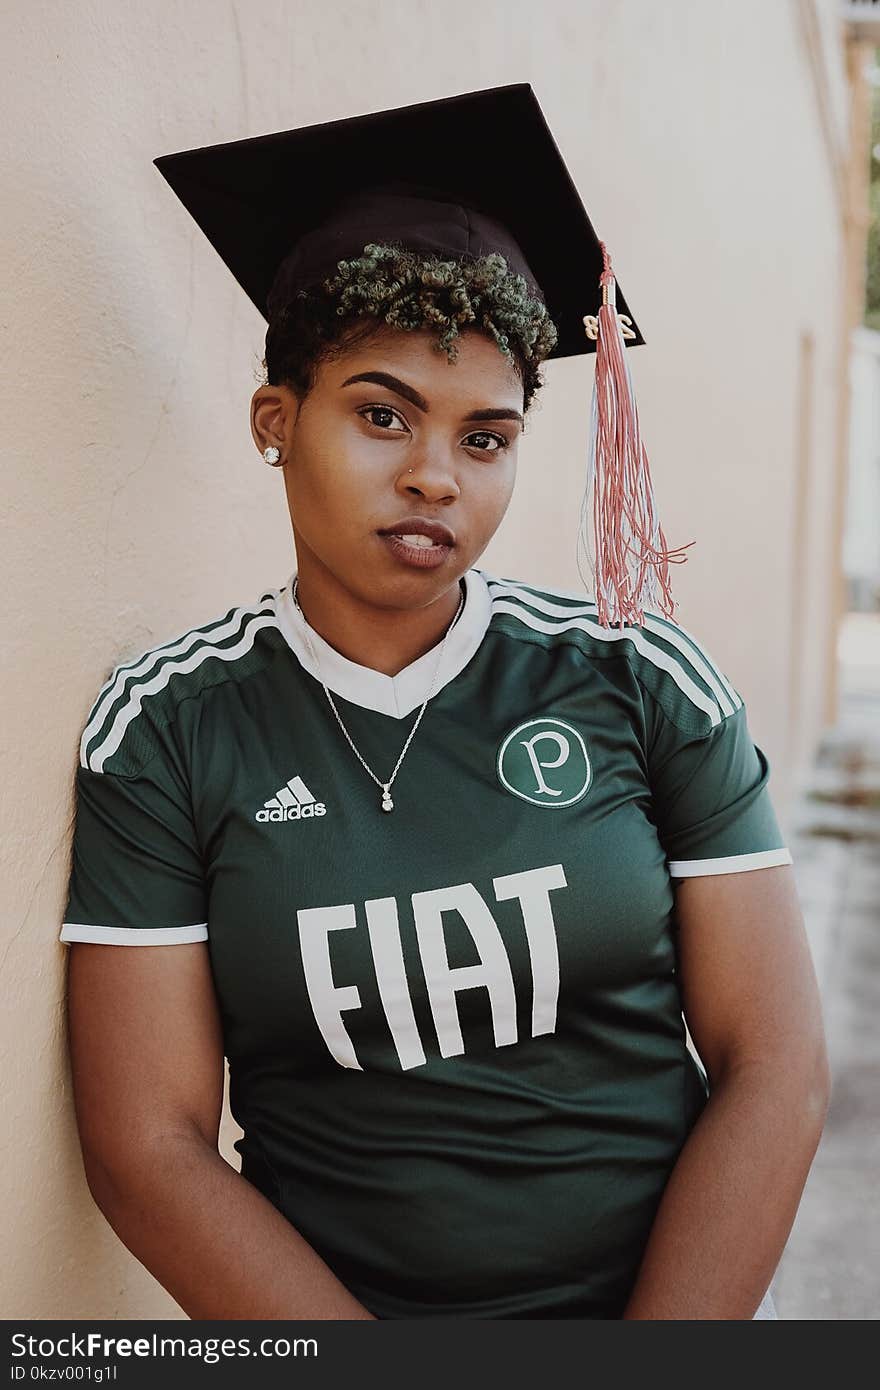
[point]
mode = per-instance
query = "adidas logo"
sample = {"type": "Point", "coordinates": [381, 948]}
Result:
{"type": "Point", "coordinates": [293, 801]}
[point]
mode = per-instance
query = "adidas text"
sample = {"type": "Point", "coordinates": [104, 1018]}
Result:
{"type": "Point", "coordinates": [279, 813]}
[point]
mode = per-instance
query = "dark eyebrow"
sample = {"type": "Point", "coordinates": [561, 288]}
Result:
{"type": "Point", "coordinates": [409, 393]}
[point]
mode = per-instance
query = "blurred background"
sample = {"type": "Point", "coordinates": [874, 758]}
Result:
{"type": "Point", "coordinates": [729, 155]}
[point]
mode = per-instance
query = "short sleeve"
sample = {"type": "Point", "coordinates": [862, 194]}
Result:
{"type": "Point", "coordinates": [712, 806]}
{"type": "Point", "coordinates": [136, 873]}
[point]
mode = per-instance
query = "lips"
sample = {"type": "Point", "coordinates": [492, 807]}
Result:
{"type": "Point", "coordinates": [439, 533]}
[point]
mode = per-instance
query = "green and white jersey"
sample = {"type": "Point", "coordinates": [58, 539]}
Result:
{"type": "Point", "coordinates": [454, 1030]}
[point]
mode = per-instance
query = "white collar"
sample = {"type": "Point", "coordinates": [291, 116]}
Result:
{"type": "Point", "coordinates": [397, 695]}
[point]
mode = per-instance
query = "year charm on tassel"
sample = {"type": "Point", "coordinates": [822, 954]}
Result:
{"type": "Point", "coordinates": [591, 326]}
{"type": "Point", "coordinates": [387, 803]}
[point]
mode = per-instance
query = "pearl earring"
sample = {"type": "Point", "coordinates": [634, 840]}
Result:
{"type": "Point", "coordinates": [272, 455]}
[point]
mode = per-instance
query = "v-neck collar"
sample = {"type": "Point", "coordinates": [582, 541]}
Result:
{"type": "Point", "coordinates": [397, 695]}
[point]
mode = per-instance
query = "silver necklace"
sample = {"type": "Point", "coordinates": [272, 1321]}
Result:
{"type": "Point", "coordinates": [387, 803]}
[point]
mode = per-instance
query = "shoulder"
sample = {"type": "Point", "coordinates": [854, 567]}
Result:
{"type": "Point", "coordinates": [141, 696]}
{"type": "Point", "coordinates": [670, 663]}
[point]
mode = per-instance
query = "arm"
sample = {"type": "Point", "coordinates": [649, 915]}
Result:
{"type": "Point", "coordinates": [752, 1006]}
{"type": "Point", "coordinates": [147, 1061]}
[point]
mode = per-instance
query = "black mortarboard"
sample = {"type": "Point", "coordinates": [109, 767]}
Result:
{"type": "Point", "coordinates": [467, 174]}
{"type": "Point", "coordinates": [490, 151]}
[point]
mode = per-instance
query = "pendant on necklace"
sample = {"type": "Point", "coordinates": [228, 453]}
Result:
{"type": "Point", "coordinates": [387, 803]}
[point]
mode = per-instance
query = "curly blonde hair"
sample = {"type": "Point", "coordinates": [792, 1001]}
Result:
{"type": "Point", "coordinates": [394, 286]}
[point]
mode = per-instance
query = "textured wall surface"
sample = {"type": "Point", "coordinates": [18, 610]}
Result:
{"type": "Point", "coordinates": [134, 500]}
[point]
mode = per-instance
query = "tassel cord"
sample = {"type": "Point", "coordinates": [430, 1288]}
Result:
{"type": "Point", "coordinates": [628, 532]}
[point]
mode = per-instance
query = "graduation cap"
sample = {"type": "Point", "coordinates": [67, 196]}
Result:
{"type": "Point", "coordinates": [464, 175]}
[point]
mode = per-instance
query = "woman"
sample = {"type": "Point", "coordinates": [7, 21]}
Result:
{"type": "Point", "coordinates": [443, 858]}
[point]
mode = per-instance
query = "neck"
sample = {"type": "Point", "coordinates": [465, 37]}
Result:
{"type": "Point", "coordinates": [384, 639]}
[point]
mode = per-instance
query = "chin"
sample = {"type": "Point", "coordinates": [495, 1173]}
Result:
{"type": "Point", "coordinates": [410, 591]}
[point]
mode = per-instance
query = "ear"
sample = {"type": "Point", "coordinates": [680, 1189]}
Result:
{"type": "Point", "coordinates": [273, 411]}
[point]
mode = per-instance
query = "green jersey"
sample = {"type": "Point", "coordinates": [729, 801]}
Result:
{"type": "Point", "coordinates": [454, 1030]}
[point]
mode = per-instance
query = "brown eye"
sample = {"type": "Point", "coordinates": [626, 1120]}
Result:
{"type": "Point", "coordinates": [487, 434]}
{"type": "Point", "coordinates": [383, 410]}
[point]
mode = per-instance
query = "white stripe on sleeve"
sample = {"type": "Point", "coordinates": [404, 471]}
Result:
{"type": "Point", "coordinates": [729, 864]}
{"type": "Point", "coordinates": [134, 936]}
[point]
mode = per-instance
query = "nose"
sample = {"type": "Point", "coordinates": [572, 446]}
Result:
{"type": "Point", "coordinates": [431, 478]}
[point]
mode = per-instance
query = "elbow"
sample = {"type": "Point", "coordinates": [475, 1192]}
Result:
{"type": "Point", "coordinates": [112, 1173]}
{"type": "Point", "coordinates": [812, 1065]}
{"type": "Point", "coordinates": [806, 1076]}
{"type": "Point", "coordinates": [797, 1078]}
{"type": "Point", "coordinates": [820, 1087]}
{"type": "Point", "coordinates": [104, 1188]}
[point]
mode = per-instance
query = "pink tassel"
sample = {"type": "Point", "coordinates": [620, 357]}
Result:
{"type": "Point", "coordinates": [627, 529]}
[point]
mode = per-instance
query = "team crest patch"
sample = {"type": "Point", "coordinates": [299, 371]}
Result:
{"type": "Point", "coordinates": [545, 761]}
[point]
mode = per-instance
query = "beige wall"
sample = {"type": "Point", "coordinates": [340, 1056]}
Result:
{"type": "Point", "coordinates": [136, 504]}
